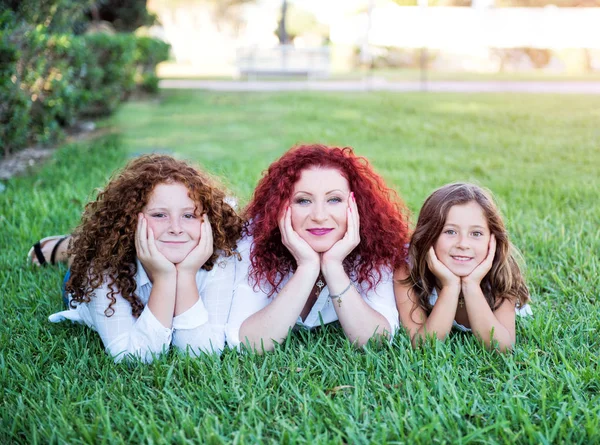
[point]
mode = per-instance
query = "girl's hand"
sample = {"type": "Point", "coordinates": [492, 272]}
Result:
{"type": "Point", "coordinates": [341, 249]}
{"type": "Point", "coordinates": [441, 272]}
{"type": "Point", "coordinates": [300, 250]}
{"type": "Point", "coordinates": [202, 252]}
{"type": "Point", "coordinates": [145, 246]}
{"type": "Point", "coordinates": [484, 267]}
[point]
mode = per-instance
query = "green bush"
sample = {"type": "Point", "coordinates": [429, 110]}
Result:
{"type": "Point", "coordinates": [149, 53]}
{"type": "Point", "coordinates": [48, 79]}
{"type": "Point", "coordinates": [52, 69]}
{"type": "Point", "coordinates": [124, 16]}
{"type": "Point", "coordinates": [58, 16]}
{"type": "Point", "coordinates": [14, 102]}
{"type": "Point", "coordinates": [111, 75]}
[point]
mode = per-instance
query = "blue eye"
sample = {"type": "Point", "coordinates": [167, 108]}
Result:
{"type": "Point", "coordinates": [302, 201]}
{"type": "Point", "coordinates": [335, 199]}
{"type": "Point", "coordinates": [450, 232]}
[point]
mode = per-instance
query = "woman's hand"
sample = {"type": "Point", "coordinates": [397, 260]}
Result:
{"type": "Point", "coordinates": [483, 268]}
{"type": "Point", "coordinates": [145, 246]}
{"type": "Point", "coordinates": [202, 252]}
{"type": "Point", "coordinates": [342, 248]}
{"type": "Point", "coordinates": [441, 272]}
{"type": "Point", "coordinates": [300, 250]}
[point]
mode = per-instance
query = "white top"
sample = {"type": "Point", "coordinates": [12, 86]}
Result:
{"type": "Point", "coordinates": [202, 327]}
{"type": "Point", "coordinates": [247, 301]}
{"type": "Point", "coordinates": [524, 311]}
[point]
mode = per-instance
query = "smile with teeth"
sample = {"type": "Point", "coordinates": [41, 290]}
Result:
{"type": "Point", "coordinates": [461, 259]}
{"type": "Point", "coordinates": [319, 232]}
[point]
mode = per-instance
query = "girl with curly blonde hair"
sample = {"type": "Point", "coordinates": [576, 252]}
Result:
{"type": "Point", "coordinates": [153, 261]}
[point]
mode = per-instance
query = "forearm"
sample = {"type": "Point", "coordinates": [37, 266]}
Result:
{"type": "Point", "coordinates": [484, 323]}
{"type": "Point", "coordinates": [369, 323]}
{"type": "Point", "coordinates": [273, 322]}
{"type": "Point", "coordinates": [439, 321]}
{"type": "Point", "coordinates": [186, 292]}
{"type": "Point", "coordinates": [162, 298]}
{"type": "Point", "coordinates": [124, 335]}
{"type": "Point", "coordinates": [359, 321]}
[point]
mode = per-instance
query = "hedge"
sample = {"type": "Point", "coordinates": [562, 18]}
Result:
{"type": "Point", "coordinates": [47, 80]}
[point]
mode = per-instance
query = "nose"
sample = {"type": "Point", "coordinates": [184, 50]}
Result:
{"type": "Point", "coordinates": [175, 227]}
{"type": "Point", "coordinates": [319, 213]}
{"type": "Point", "coordinates": [461, 242]}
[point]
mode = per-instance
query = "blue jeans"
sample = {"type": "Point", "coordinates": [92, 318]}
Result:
{"type": "Point", "coordinates": [65, 296]}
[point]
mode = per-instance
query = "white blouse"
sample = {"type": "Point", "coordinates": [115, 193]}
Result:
{"type": "Point", "coordinates": [247, 301]}
{"type": "Point", "coordinates": [201, 328]}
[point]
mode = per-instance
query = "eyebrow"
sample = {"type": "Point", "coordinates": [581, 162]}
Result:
{"type": "Point", "coordinates": [327, 193]}
{"type": "Point", "coordinates": [166, 208]}
{"type": "Point", "coordinates": [476, 226]}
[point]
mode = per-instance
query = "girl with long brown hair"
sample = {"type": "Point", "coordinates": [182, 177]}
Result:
{"type": "Point", "coordinates": [463, 270]}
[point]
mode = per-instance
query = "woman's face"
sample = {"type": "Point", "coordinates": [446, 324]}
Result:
{"type": "Point", "coordinates": [463, 243]}
{"type": "Point", "coordinates": [175, 220]}
{"type": "Point", "coordinates": [319, 203]}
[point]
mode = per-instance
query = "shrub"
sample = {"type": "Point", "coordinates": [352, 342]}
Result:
{"type": "Point", "coordinates": [111, 75]}
{"type": "Point", "coordinates": [57, 16]}
{"type": "Point", "coordinates": [48, 79]}
{"type": "Point", "coordinates": [124, 15]}
{"type": "Point", "coordinates": [149, 53]}
{"type": "Point", "coordinates": [14, 102]}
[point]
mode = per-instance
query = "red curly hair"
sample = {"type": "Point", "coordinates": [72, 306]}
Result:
{"type": "Point", "coordinates": [384, 231]}
{"type": "Point", "coordinates": [103, 245]}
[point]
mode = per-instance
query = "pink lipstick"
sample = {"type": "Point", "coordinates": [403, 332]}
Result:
{"type": "Point", "coordinates": [319, 232]}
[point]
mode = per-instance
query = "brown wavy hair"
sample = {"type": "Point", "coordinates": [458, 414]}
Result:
{"type": "Point", "coordinates": [503, 281]}
{"type": "Point", "coordinates": [383, 221]}
{"type": "Point", "coordinates": [103, 245]}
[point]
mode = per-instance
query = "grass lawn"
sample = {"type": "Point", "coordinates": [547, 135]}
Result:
{"type": "Point", "coordinates": [539, 154]}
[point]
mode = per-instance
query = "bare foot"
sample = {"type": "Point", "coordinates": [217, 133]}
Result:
{"type": "Point", "coordinates": [53, 249]}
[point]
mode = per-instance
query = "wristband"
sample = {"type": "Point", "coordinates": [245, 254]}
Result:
{"type": "Point", "coordinates": [339, 296]}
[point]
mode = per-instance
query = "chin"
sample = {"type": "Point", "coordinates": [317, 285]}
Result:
{"type": "Point", "coordinates": [321, 247]}
{"type": "Point", "coordinates": [461, 272]}
{"type": "Point", "coordinates": [175, 257]}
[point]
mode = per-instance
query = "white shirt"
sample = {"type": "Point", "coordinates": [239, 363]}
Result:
{"type": "Point", "coordinates": [524, 311]}
{"type": "Point", "coordinates": [201, 327]}
{"type": "Point", "coordinates": [247, 301]}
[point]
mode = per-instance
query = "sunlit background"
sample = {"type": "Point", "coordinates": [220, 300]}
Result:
{"type": "Point", "coordinates": [324, 39]}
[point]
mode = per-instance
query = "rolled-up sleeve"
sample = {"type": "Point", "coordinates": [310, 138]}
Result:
{"type": "Point", "coordinates": [201, 328]}
{"type": "Point", "coordinates": [122, 334]}
{"type": "Point", "coordinates": [246, 301]}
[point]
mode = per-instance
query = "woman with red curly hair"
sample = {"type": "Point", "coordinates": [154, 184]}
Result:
{"type": "Point", "coordinates": [323, 237]}
{"type": "Point", "coordinates": [153, 261]}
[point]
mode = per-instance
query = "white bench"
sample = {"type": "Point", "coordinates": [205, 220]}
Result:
{"type": "Point", "coordinates": [283, 60]}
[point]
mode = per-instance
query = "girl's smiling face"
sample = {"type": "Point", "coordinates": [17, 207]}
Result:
{"type": "Point", "coordinates": [463, 243]}
{"type": "Point", "coordinates": [318, 204]}
{"type": "Point", "coordinates": [175, 220]}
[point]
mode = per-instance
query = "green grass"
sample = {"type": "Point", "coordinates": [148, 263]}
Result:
{"type": "Point", "coordinates": [539, 154]}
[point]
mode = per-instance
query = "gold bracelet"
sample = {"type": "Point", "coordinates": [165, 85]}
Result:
{"type": "Point", "coordinates": [339, 296]}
